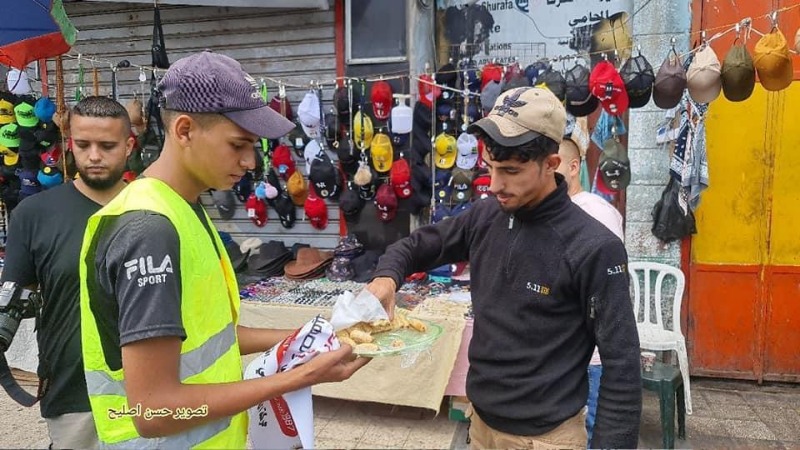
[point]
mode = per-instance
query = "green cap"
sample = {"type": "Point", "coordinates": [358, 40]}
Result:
{"type": "Point", "coordinates": [9, 135]}
{"type": "Point", "coordinates": [25, 115]}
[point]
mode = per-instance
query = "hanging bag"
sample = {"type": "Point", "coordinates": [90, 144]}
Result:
{"type": "Point", "coordinates": [159, 51]}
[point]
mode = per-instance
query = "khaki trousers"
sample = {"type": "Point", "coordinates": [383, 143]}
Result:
{"type": "Point", "coordinates": [571, 434]}
{"type": "Point", "coordinates": [73, 431]}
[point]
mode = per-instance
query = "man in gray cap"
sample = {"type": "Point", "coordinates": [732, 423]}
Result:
{"type": "Point", "coordinates": [159, 300]}
{"type": "Point", "coordinates": [548, 283]}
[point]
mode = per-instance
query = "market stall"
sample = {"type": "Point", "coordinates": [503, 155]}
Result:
{"type": "Point", "coordinates": [418, 380]}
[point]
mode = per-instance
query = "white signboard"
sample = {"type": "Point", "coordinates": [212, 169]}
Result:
{"type": "Point", "coordinates": [531, 29]}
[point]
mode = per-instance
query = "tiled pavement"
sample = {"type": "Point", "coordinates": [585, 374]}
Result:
{"type": "Point", "coordinates": [727, 415]}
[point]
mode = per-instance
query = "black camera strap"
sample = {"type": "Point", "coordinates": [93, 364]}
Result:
{"type": "Point", "coordinates": [13, 388]}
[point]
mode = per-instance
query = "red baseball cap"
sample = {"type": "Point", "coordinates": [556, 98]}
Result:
{"type": "Point", "coordinates": [491, 72]}
{"type": "Point", "coordinates": [386, 203]}
{"type": "Point", "coordinates": [283, 162]}
{"type": "Point", "coordinates": [480, 186]}
{"type": "Point", "coordinates": [256, 210]}
{"type": "Point", "coordinates": [52, 156]}
{"type": "Point", "coordinates": [606, 84]}
{"type": "Point", "coordinates": [316, 210]}
{"type": "Point", "coordinates": [282, 107]}
{"type": "Point", "coordinates": [400, 177]}
{"type": "Point", "coordinates": [481, 149]}
{"type": "Point", "coordinates": [427, 91]}
{"type": "Point", "coordinates": [381, 96]}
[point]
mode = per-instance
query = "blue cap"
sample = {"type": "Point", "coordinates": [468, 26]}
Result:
{"type": "Point", "coordinates": [50, 177]}
{"type": "Point", "coordinates": [44, 109]}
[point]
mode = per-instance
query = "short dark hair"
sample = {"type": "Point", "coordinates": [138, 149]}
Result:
{"type": "Point", "coordinates": [536, 149]}
{"type": "Point", "coordinates": [205, 120]}
{"type": "Point", "coordinates": [97, 106]}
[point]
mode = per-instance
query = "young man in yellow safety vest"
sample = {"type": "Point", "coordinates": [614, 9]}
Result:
{"type": "Point", "coordinates": [159, 299]}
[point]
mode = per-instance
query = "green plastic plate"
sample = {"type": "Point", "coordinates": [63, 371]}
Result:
{"type": "Point", "coordinates": [414, 341]}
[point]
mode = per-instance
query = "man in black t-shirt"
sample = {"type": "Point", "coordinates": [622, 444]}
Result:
{"type": "Point", "coordinates": [44, 243]}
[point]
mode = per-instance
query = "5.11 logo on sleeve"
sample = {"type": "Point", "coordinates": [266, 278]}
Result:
{"type": "Point", "coordinates": [622, 268]}
{"type": "Point", "coordinates": [146, 272]}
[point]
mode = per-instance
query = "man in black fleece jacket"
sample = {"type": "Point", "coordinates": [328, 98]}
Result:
{"type": "Point", "coordinates": [548, 282]}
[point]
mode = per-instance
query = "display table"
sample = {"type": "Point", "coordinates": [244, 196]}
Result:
{"type": "Point", "coordinates": [422, 384]}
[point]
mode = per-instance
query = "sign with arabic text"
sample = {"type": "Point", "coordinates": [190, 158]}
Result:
{"type": "Point", "coordinates": [530, 29]}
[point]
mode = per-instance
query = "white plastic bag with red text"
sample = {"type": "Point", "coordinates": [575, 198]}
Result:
{"type": "Point", "coordinates": [288, 421]}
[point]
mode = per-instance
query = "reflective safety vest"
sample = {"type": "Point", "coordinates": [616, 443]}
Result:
{"type": "Point", "coordinates": [209, 310]}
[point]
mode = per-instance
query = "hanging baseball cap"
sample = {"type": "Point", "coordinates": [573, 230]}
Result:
{"type": "Point", "coordinates": [703, 76]}
{"type": "Point", "coordinates": [348, 155]}
{"type": "Point", "coordinates": [350, 203]}
{"type": "Point", "coordinates": [443, 185]}
{"type": "Point", "coordinates": [341, 101]}
{"type": "Point", "coordinates": [467, 151]}
{"type": "Point", "coordinates": [535, 69]}
{"type": "Point", "coordinates": [480, 186]}
{"type": "Point", "coordinates": [297, 139]}
{"type": "Point", "coordinates": [491, 72]}
{"type": "Point", "coordinates": [225, 201]}
{"type": "Point", "coordinates": [447, 76]}
{"type": "Point", "coordinates": [523, 114]}
{"type": "Point", "coordinates": [316, 211]}
{"type": "Point", "coordinates": [400, 178]}
{"type": "Point", "coordinates": [381, 96]}
{"type": "Point", "coordinates": [49, 177]}
{"type": "Point", "coordinates": [615, 168]}
{"type": "Point", "coordinates": [7, 112]}
{"type": "Point", "coordinates": [25, 115]}
{"type": "Point", "coordinates": [46, 134]}
{"type": "Point", "coordinates": [282, 161]}
{"type": "Point", "coordinates": [606, 84]}
{"type": "Point", "coordinates": [285, 209]}
{"type": "Point", "coordinates": [386, 203]}
{"type": "Point", "coordinates": [324, 177]}
{"type": "Point", "coordinates": [579, 99]}
{"type": "Point", "coordinates": [489, 95]}
{"type": "Point", "coordinates": [308, 114]}
{"type": "Point", "coordinates": [462, 185]}
{"type": "Point", "coordinates": [773, 61]}
{"type": "Point", "coordinates": [446, 150]}
{"type": "Point", "coordinates": [10, 157]}
{"type": "Point", "coordinates": [256, 210]}
{"type": "Point", "coordinates": [382, 152]}
{"type": "Point", "coordinates": [555, 82]}
{"type": "Point", "coordinates": [44, 109]}
{"type": "Point", "coordinates": [738, 74]}
{"type": "Point", "coordinates": [208, 82]}
{"type": "Point", "coordinates": [17, 82]}
{"type": "Point", "coordinates": [362, 142]}
{"type": "Point", "coordinates": [9, 136]}
{"type": "Point", "coordinates": [52, 156]}
{"type": "Point", "coordinates": [282, 107]}
{"type": "Point", "coordinates": [297, 188]}
{"type": "Point", "coordinates": [638, 76]}
{"type": "Point", "coordinates": [670, 82]}
{"type": "Point", "coordinates": [428, 90]}
{"type": "Point", "coordinates": [311, 151]}
{"type": "Point", "coordinates": [29, 183]}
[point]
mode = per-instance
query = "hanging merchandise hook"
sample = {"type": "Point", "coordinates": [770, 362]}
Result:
{"type": "Point", "coordinates": [774, 19]}
{"type": "Point", "coordinates": [79, 89]}
{"type": "Point", "coordinates": [639, 49]}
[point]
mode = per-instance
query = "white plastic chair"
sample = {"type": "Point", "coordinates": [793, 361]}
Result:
{"type": "Point", "coordinates": [655, 335]}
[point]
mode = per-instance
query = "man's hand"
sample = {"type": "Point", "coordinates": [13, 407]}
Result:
{"type": "Point", "coordinates": [384, 288]}
{"type": "Point", "coordinates": [332, 366]}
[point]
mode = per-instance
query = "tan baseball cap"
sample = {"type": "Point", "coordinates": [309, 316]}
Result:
{"type": "Point", "coordinates": [523, 114]}
{"type": "Point", "coordinates": [703, 76]}
{"type": "Point", "coordinates": [773, 62]}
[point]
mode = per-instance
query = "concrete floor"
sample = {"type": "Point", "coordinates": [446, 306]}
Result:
{"type": "Point", "coordinates": [727, 415]}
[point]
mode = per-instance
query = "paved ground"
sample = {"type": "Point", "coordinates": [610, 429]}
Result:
{"type": "Point", "coordinates": [727, 415]}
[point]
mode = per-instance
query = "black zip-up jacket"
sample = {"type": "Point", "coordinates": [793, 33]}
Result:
{"type": "Point", "coordinates": [547, 283]}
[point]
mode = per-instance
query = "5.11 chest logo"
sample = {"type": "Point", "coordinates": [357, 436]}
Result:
{"type": "Point", "coordinates": [146, 272]}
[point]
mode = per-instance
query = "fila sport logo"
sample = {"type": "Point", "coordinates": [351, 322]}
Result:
{"type": "Point", "coordinates": [146, 272]}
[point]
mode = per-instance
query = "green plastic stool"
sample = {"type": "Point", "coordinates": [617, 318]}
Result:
{"type": "Point", "coordinates": [667, 382]}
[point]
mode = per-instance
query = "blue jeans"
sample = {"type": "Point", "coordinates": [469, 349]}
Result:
{"type": "Point", "coordinates": [595, 372]}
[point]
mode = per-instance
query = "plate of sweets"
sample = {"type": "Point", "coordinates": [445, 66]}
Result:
{"type": "Point", "coordinates": [399, 336]}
